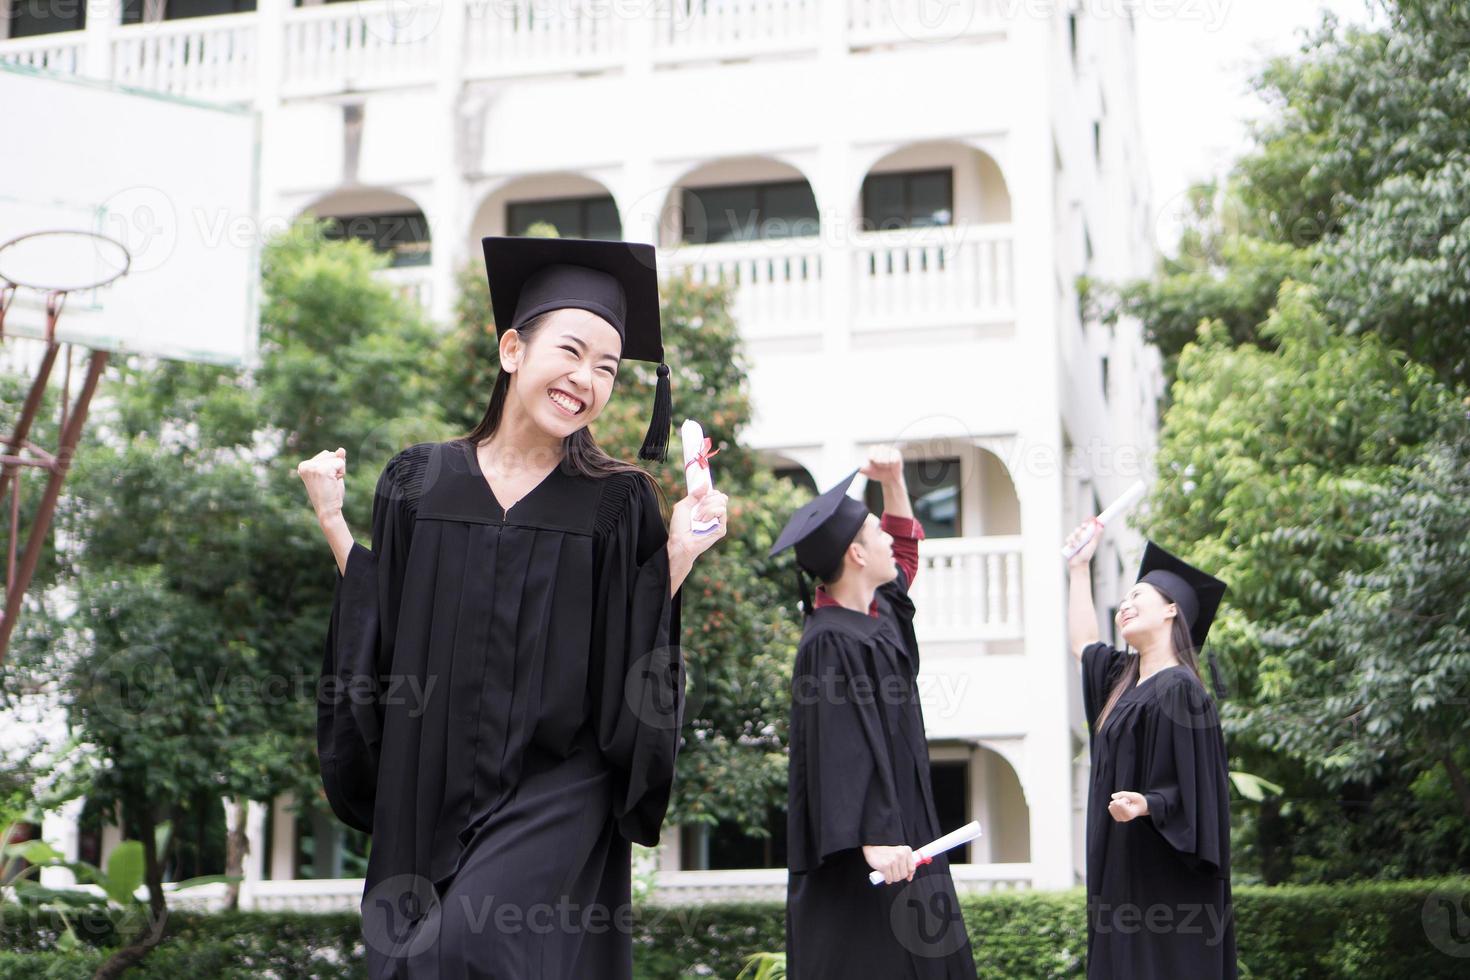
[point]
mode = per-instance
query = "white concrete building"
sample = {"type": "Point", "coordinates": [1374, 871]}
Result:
{"type": "Point", "coordinates": [905, 193]}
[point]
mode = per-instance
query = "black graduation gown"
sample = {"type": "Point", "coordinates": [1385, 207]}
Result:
{"type": "Point", "coordinates": [859, 774]}
{"type": "Point", "coordinates": [500, 707]}
{"type": "Point", "coordinates": [1158, 887]}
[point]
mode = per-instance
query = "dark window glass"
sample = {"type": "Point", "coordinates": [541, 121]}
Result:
{"type": "Point", "coordinates": [723, 847]}
{"type": "Point", "coordinates": [934, 493]}
{"type": "Point", "coordinates": [181, 9]}
{"type": "Point", "coordinates": [908, 199]}
{"type": "Point", "coordinates": [797, 475]}
{"type": "Point", "coordinates": [746, 212]}
{"type": "Point", "coordinates": [572, 217]}
{"type": "Point", "coordinates": [951, 782]}
{"type": "Point", "coordinates": [404, 235]}
{"type": "Point", "coordinates": [30, 18]}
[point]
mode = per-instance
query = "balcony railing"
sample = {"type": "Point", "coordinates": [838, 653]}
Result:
{"type": "Point", "coordinates": [374, 44]}
{"type": "Point", "coordinates": [969, 589]}
{"type": "Point", "coordinates": [776, 283]}
{"type": "Point", "coordinates": [202, 57]}
{"type": "Point", "coordinates": [916, 277]}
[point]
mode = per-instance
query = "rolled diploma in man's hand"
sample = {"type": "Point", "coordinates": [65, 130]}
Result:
{"type": "Point", "coordinates": [1115, 510]}
{"type": "Point", "coordinates": [696, 467]}
{"type": "Point", "coordinates": [953, 839]}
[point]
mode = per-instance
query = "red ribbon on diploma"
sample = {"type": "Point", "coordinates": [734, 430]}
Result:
{"type": "Point", "coordinates": [702, 457]}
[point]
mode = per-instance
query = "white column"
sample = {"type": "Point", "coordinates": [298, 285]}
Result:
{"type": "Point", "coordinates": [448, 220]}
{"type": "Point", "coordinates": [283, 839]}
{"type": "Point", "coordinates": [61, 829]}
{"type": "Point", "coordinates": [103, 17]}
{"type": "Point", "coordinates": [1037, 467]}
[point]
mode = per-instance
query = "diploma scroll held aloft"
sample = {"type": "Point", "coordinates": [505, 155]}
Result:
{"type": "Point", "coordinates": [1115, 510]}
{"type": "Point", "coordinates": [696, 467]}
{"type": "Point", "coordinates": [950, 840]}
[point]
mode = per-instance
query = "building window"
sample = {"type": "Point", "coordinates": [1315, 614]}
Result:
{"type": "Point", "coordinates": [572, 217]}
{"type": "Point", "coordinates": [951, 783]}
{"type": "Point", "coordinates": [934, 493]}
{"type": "Point", "coordinates": [748, 212]}
{"type": "Point", "coordinates": [30, 18]}
{"type": "Point", "coordinates": [403, 234]}
{"type": "Point", "coordinates": [724, 847]}
{"type": "Point", "coordinates": [908, 199]}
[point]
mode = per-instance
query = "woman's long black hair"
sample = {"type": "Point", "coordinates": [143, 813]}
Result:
{"type": "Point", "coordinates": [581, 454]}
{"type": "Point", "coordinates": [1184, 651]}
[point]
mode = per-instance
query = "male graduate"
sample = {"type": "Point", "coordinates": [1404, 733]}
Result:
{"type": "Point", "coordinates": [858, 789]}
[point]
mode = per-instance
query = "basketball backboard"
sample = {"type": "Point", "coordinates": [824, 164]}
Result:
{"type": "Point", "coordinates": [174, 181]}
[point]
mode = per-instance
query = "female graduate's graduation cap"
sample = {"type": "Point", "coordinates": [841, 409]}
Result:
{"type": "Point", "coordinates": [821, 531]}
{"type": "Point", "coordinates": [1195, 592]}
{"type": "Point", "coordinates": [616, 280]}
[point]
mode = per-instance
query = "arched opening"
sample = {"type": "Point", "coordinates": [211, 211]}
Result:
{"type": "Point", "coordinates": [929, 185]}
{"type": "Point", "coordinates": [739, 200]}
{"type": "Point", "coordinates": [391, 222]}
{"type": "Point", "coordinates": [573, 205]}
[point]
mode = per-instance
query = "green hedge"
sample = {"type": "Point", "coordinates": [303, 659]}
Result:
{"type": "Point", "coordinates": [1365, 931]}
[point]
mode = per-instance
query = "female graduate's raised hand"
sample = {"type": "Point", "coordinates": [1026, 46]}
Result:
{"type": "Point", "coordinates": [325, 476]}
{"type": "Point", "coordinates": [895, 862]}
{"type": "Point", "coordinates": [1126, 806]}
{"type": "Point", "coordinates": [684, 545]}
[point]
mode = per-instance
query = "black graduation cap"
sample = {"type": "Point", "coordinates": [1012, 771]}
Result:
{"type": "Point", "coordinates": [1195, 592]}
{"type": "Point", "coordinates": [616, 280]}
{"type": "Point", "coordinates": [821, 530]}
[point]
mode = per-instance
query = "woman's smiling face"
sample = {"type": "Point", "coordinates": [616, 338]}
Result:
{"type": "Point", "coordinates": [1143, 612]}
{"type": "Point", "coordinates": [563, 375]}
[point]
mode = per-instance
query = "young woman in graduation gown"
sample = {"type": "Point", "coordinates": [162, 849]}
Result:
{"type": "Point", "coordinates": [1158, 811]}
{"type": "Point", "coordinates": [502, 689]}
{"type": "Point", "coordinates": [859, 787]}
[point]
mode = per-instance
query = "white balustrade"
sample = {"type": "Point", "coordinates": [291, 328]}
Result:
{"type": "Point", "coordinates": [776, 282]}
{"type": "Point", "coordinates": [958, 274]}
{"type": "Point", "coordinates": [691, 29]}
{"type": "Point", "coordinates": [202, 57]}
{"type": "Point", "coordinates": [871, 22]}
{"type": "Point", "coordinates": [969, 589]}
{"type": "Point", "coordinates": [60, 52]}
{"type": "Point", "coordinates": [374, 44]}
{"type": "Point", "coordinates": [511, 37]}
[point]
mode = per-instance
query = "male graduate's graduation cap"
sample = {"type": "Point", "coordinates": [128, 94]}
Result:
{"type": "Point", "coordinates": [616, 280]}
{"type": "Point", "coordinates": [1195, 592]}
{"type": "Point", "coordinates": [820, 531]}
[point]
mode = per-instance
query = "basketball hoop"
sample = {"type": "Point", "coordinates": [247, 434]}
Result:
{"type": "Point", "coordinates": [57, 262]}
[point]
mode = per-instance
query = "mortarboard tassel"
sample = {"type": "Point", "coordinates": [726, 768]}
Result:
{"type": "Point", "coordinates": [656, 442]}
{"type": "Point", "coordinates": [804, 593]}
{"type": "Point", "coordinates": [1220, 692]}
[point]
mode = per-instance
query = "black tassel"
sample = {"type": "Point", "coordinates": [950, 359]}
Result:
{"type": "Point", "coordinates": [1220, 692]}
{"type": "Point", "coordinates": [804, 593]}
{"type": "Point", "coordinates": [656, 442]}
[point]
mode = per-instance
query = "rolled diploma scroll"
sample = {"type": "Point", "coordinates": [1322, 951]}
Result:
{"type": "Point", "coordinates": [1115, 510]}
{"type": "Point", "coordinates": [696, 473]}
{"type": "Point", "coordinates": [964, 835]}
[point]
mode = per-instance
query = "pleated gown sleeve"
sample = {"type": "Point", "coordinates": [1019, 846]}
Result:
{"type": "Point", "coordinates": [636, 669]}
{"type": "Point", "coordinates": [1101, 664]}
{"type": "Point", "coordinates": [1185, 774]}
{"type": "Point", "coordinates": [843, 793]}
{"type": "Point", "coordinates": [359, 645]}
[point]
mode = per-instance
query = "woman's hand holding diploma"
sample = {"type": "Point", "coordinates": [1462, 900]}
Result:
{"type": "Point", "coordinates": [895, 863]}
{"type": "Point", "coordinates": [684, 544]}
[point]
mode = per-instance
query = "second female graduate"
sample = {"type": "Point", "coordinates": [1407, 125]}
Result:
{"type": "Point", "coordinates": [502, 689]}
{"type": "Point", "coordinates": [1158, 810]}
